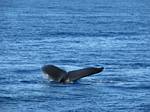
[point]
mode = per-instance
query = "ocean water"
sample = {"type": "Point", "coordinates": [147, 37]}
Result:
{"type": "Point", "coordinates": [74, 34]}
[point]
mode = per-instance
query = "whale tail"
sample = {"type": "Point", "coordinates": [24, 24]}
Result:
{"type": "Point", "coordinates": [59, 75]}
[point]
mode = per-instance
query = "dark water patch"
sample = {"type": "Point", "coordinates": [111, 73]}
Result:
{"type": "Point", "coordinates": [29, 81]}
{"type": "Point", "coordinates": [5, 99]}
{"type": "Point", "coordinates": [75, 34]}
{"type": "Point", "coordinates": [91, 34]}
{"type": "Point", "coordinates": [135, 65]}
{"type": "Point", "coordinates": [3, 78]}
{"type": "Point", "coordinates": [145, 107]}
{"type": "Point", "coordinates": [140, 65]}
{"type": "Point", "coordinates": [4, 91]}
{"type": "Point", "coordinates": [25, 98]}
{"type": "Point", "coordinates": [85, 108]}
{"type": "Point", "coordinates": [25, 71]}
{"type": "Point", "coordinates": [130, 86]}
{"type": "Point", "coordinates": [111, 79]}
{"type": "Point", "coordinates": [34, 99]}
{"type": "Point", "coordinates": [8, 81]}
{"type": "Point", "coordinates": [65, 61]}
{"type": "Point", "coordinates": [139, 88]}
{"type": "Point", "coordinates": [127, 64]}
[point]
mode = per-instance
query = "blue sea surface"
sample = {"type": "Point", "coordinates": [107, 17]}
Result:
{"type": "Point", "coordinates": [74, 34]}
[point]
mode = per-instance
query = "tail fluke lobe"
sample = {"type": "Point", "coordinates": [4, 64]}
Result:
{"type": "Point", "coordinates": [55, 73]}
{"type": "Point", "coordinates": [77, 74]}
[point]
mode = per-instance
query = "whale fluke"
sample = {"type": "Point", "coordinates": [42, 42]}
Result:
{"type": "Point", "coordinates": [59, 75]}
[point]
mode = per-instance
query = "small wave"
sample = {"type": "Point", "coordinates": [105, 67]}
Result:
{"type": "Point", "coordinates": [130, 85]}
{"type": "Point", "coordinates": [29, 81]}
{"type": "Point", "coordinates": [86, 34]}
{"type": "Point", "coordinates": [83, 109]}
{"type": "Point", "coordinates": [25, 70]}
{"type": "Point", "coordinates": [140, 65]}
{"type": "Point", "coordinates": [5, 98]}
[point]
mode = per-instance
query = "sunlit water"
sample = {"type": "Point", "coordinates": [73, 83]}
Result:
{"type": "Point", "coordinates": [74, 34]}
